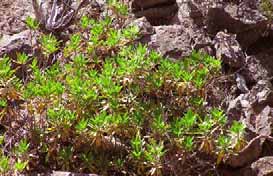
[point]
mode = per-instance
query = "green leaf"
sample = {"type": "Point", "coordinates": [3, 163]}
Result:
{"type": "Point", "coordinates": [81, 126]}
{"type": "Point", "coordinates": [49, 44]}
{"type": "Point", "coordinates": [22, 58]}
{"type": "Point", "coordinates": [3, 103]}
{"type": "Point", "coordinates": [22, 147]}
{"type": "Point", "coordinates": [137, 144]}
{"type": "Point", "coordinates": [188, 143]}
{"type": "Point", "coordinates": [20, 166]}
{"type": "Point", "coordinates": [223, 142]}
{"type": "Point", "coordinates": [4, 164]}
{"type": "Point", "coordinates": [237, 128]}
{"type": "Point", "coordinates": [32, 23]}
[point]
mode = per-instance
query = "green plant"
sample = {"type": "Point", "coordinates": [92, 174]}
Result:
{"type": "Point", "coordinates": [73, 46]}
{"type": "Point", "coordinates": [4, 164]}
{"type": "Point", "coordinates": [32, 23]}
{"type": "Point", "coordinates": [22, 147]}
{"type": "Point", "coordinates": [49, 44]}
{"type": "Point", "coordinates": [159, 125]}
{"type": "Point", "coordinates": [20, 166]}
{"type": "Point", "coordinates": [20, 161]}
{"type": "Point", "coordinates": [153, 155]}
{"type": "Point", "coordinates": [188, 143]}
{"type": "Point", "coordinates": [65, 156]}
{"type": "Point", "coordinates": [110, 102]}
{"type": "Point", "coordinates": [237, 131]}
{"type": "Point", "coordinates": [267, 8]}
{"type": "Point", "coordinates": [22, 58]}
{"type": "Point", "coordinates": [86, 22]}
{"type": "Point", "coordinates": [118, 7]}
{"type": "Point", "coordinates": [218, 116]}
{"type": "Point", "coordinates": [3, 103]}
{"type": "Point", "coordinates": [223, 144]}
{"type": "Point", "coordinates": [137, 146]}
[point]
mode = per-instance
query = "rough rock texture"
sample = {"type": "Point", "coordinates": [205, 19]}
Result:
{"type": "Point", "coordinates": [251, 152]}
{"type": "Point", "coordinates": [263, 166]}
{"type": "Point", "coordinates": [266, 59]}
{"type": "Point", "coordinates": [171, 40]}
{"type": "Point", "coordinates": [10, 44]}
{"type": "Point", "coordinates": [228, 49]}
{"type": "Point", "coordinates": [12, 14]}
{"type": "Point", "coordinates": [255, 110]}
{"type": "Point", "coordinates": [253, 71]}
{"type": "Point", "coordinates": [177, 41]}
{"type": "Point", "coordinates": [145, 28]}
{"type": "Point", "coordinates": [253, 102]}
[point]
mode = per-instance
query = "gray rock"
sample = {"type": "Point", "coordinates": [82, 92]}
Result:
{"type": "Point", "coordinates": [265, 58]}
{"type": "Point", "coordinates": [263, 166]}
{"type": "Point", "coordinates": [12, 16]}
{"type": "Point", "coordinates": [145, 28]}
{"type": "Point", "coordinates": [10, 44]}
{"type": "Point", "coordinates": [177, 41]}
{"type": "Point", "coordinates": [254, 108]}
{"type": "Point", "coordinates": [61, 173]}
{"type": "Point", "coordinates": [195, 10]}
{"type": "Point", "coordinates": [244, 19]}
{"type": "Point", "coordinates": [171, 41]}
{"type": "Point", "coordinates": [241, 83]}
{"type": "Point", "coordinates": [229, 50]}
{"type": "Point", "coordinates": [253, 71]}
{"type": "Point", "coordinates": [263, 122]}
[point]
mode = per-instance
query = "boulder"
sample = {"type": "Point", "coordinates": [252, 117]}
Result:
{"type": "Point", "coordinates": [248, 154]}
{"type": "Point", "coordinates": [244, 19]}
{"type": "Point", "coordinates": [229, 50]}
{"type": "Point", "coordinates": [171, 41]}
{"type": "Point", "coordinates": [10, 44]}
{"type": "Point", "coordinates": [145, 28]}
{"type": "Point", "coordinates": [253, 71]}
{"type": "Point", "coordinates": [177, 41]}
{"type": "Point", "coordinates": [263, 166]}
{"type": "Point", "coordinates": [12, 16]}
{"type": "Point", "coordinates": [249, 105]}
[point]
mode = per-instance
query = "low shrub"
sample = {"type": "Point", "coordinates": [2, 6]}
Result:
{"type": "Point", "coordinates": [109, 105]}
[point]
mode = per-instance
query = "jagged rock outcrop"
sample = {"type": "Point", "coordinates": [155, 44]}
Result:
{"type": "Point", "coordinates": [248, 106]}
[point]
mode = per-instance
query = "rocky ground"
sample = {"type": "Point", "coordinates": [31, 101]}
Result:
{"type": "Point", "coordinates": [238, 32]}
{"type": "Point", "coordinates": [12, 15]}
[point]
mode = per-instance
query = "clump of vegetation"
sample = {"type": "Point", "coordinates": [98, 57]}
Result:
{"type": "Point", "coordinates": [267, 8]}
{"type": "Point", "coordinates": [109, 106]}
